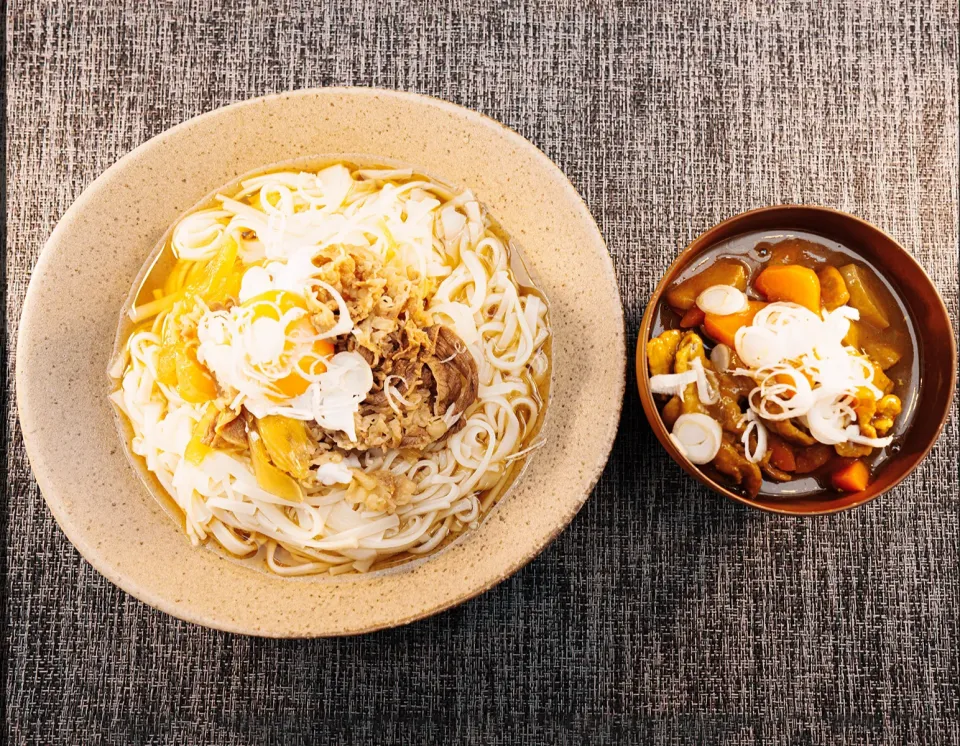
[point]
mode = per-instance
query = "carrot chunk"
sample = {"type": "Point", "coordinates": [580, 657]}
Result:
{"type": "Point", "coordinates": [693, 317]}
{"type": "Point", "coordinates": [852, 477]}
{"type": "Point", "coordinates": [791, 283]}
{"type": "Point", "coordinates": [723, 329]}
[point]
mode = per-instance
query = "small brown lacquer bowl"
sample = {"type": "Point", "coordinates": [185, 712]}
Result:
{"type": "Point", "coordinates": [935, 353]}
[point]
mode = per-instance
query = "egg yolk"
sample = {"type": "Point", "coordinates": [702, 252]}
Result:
{"type": "Point", "coordinates": [269, 307]}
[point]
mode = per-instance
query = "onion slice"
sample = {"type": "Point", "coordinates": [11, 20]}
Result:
{"type": "Point", "coordinates": [758, 346]}
{"type": "Point", "coordinates": [721, 356]}
{"type": "Point", "coordinates": [854, 436]}
{"type": "Point", "coordinates": [698, 436]}
{"type": "Point", "coordinates": [722, 300]}
{"type": "Point", "coordinates": [754, 425]}
{"type": "Point", "coordinates": [707, 391]}
{"type": "Point", "coordinates": [672, 383]}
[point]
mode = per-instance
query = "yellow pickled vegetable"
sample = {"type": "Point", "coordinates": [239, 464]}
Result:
{"type": "Point", "coordinates": [197, 450]}
{"type": "Point", "coordinates": [194, 382]}
{"type": "Point", "coordinates": [213, 280]}
{"type": "Point", "coordinates": [269, 477]}
{"type": "Point", "coordinates": [287, 443]}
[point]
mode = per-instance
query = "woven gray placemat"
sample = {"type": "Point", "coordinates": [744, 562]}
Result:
{"type": "Point", "coordinates": [663, 614]}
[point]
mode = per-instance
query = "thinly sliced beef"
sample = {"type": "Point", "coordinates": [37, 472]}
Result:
{"type": "Point", "coordinates": [433, 379]}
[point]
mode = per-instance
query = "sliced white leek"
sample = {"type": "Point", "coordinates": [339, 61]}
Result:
{"type": "Point", "coordinates": [672, 383]}
{"type": "Point", "coordinates": [721, 356]}
{"type": "Point", "coordinates": [707, 390]}
{"type": "Point", "coordinates": [754, 425]}
{"type": "Point", "coordinates": [698, 436]}
{"type": "Point", "coordinates": [722, 300]}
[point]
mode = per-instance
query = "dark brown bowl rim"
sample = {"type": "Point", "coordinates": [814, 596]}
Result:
{"type": "Point", "coordinates": [703, 242]}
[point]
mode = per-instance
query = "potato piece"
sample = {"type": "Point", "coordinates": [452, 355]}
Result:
{"type": "Point", "coordinates": [833, 290]}
{"type": "Point", "coordinates": [882, 354]}
{"type": "Point", "coordinates": [721, 272]}
{"type": "Point", "coordinates": [881, 380]}
{"type": "Point", "coordinates": [790, 283]}
{"type": "Point", "coordinates": [853, 335]}
{"type": "Point", "coordinates": [863, 296]}
{"type": "Point", "coordinates": [662, 350]}
{"type": "Point", "coordinates": [794, 251]}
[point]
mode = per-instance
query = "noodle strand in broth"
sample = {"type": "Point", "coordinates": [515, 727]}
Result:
{"type": "Point", "coordinates": [440, 241]}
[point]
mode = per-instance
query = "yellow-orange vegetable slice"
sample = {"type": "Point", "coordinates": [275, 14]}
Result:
{"type": "Point", "coordinates": [721, 272]}
{"type": "Point", "coordinates": [269, 477]}
{"type": "Point", "coordinates": [197, 450]}
{"type": "Point", "coordinates": [723, 329]}
{"type": "Point", "coordinates": [790, 283]}
{"type": "Point", "coordinates": [194, 382]}
{"type": "Point", "coordinates": [272, 304]}
{"type": "Point", "coordinates": [266, 304]}
{"type": "Point", "coordinates": [212, 281]}
{"type": "Point", "coordinates": [288, 444]}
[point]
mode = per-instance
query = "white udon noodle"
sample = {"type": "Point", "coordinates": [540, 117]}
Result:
{"type": "Point", "coordinates": [504, 328]}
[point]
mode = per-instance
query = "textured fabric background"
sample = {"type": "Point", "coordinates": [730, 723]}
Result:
{"type": "Point", "coordinates": [662, 614]}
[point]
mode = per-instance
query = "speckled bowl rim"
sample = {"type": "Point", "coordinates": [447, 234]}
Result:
{"type": "Point", "coordinates": [583, 438]}
{"type": "Point", "coordinates": [704, 242]}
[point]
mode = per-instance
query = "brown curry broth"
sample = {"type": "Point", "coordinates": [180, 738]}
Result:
{"type": "Point", "coordinates": [161, 263]}
{"type": "Point", "coordinates": [753, 250]}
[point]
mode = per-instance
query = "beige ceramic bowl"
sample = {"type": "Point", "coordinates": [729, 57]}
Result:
{"type": "Point", "coordinates": [93, 256]}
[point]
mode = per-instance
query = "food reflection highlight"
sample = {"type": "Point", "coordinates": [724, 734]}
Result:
{"type": "Point", "coordinates": [340, 370]}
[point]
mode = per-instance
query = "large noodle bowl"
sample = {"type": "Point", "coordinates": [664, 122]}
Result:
{"type": "Point", "coordinates": [336, 369]}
